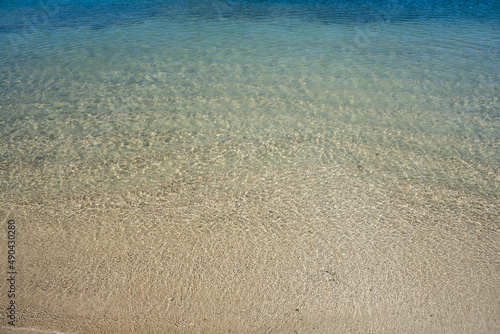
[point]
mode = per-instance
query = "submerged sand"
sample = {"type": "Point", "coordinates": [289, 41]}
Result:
{"type": "Point", "coordinates": [316, 249]}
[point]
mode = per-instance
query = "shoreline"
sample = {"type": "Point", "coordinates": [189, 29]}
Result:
{"type": "Point", "coordinates": [348, 253]}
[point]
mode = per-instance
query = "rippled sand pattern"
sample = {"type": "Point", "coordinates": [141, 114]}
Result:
{"type": "Point", "coordinates": [315, 248]}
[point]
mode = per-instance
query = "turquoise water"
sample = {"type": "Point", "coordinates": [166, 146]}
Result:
{"type": "Point", "coordinates": [99, 96]}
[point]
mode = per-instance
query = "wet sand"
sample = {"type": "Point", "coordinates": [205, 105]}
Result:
{"type": "Point", "coordinates": [314, 249]}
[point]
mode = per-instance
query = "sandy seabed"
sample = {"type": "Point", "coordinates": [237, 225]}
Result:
{"type": "Point", "coordinates": [314, 249]}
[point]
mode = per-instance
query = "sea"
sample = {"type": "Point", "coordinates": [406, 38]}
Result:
{"type": "Point", "coordinates": [250, 166]}
{"type": "Point", "coordinates": [98, 96]}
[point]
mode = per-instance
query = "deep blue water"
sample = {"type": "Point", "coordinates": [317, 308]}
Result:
{"type": "Point", "coordinates": [46, 14]}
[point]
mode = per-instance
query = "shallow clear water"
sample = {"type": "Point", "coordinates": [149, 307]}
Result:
{"type": "Point", "coordinates": [252, 166]}
{"type": "Point", "coordinates": [104, 95]}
